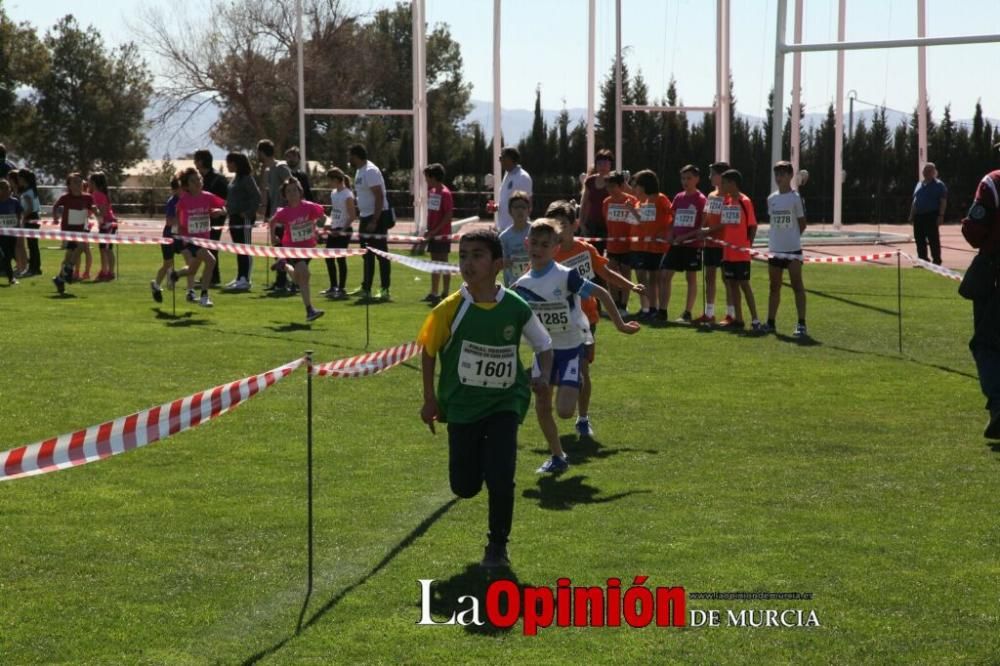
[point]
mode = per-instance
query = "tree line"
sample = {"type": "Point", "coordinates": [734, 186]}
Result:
{"type": "Point", "coordinates": [68, 102]}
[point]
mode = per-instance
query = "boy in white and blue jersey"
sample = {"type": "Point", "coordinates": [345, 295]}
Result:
{"type": "Point", "coordinates": [554, 291]}
{"type": "Point", "coordinates": [513, 239]}
{"type": "Point", "coordinates": [787, 222]}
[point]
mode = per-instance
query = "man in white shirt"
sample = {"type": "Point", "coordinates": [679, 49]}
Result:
{"type": "Point", "coordinates": [516, 179]}
{"type": "Point", "coordinates": [374, 217]}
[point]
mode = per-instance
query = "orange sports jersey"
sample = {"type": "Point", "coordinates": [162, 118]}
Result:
{"type": "Point", "coordinates": [737, 218]}
{"type": "Point", "coordinates": [585, 258]}
{"type": "Point", "coordinates": [713, 212]}
{"type": "Point", "coordinates": [655, 216]}
{"type": "Point", "coordinates": [621, 222]}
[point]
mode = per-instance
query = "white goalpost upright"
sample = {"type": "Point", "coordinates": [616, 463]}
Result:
{"type": "Point", "coordinates": [782, 48]}
{"type": "Point", "coordinates": [721, 106]}
{"type": "Point", "coordinates": [418, 111]}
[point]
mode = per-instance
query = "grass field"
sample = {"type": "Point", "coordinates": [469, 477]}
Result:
{"type": "Point", "coordinates": [721, 463]}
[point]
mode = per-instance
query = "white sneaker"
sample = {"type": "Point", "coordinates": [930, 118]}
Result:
{"type": "Point", "coordinates": [241, 284]}
{"type": "Point", "coordinates": [232, 283]}
{"type": "Point", "coordinates": [205, 302]}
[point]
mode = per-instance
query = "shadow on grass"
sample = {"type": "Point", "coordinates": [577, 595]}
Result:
{"type": "Point", "coordinates": [857, 304]}
{"type": "Point", "coordinates": [896, 357]}
{"type": "Point", "coordinates": [583, 450]}
{"type": "Point", "coordinates": [66, 296]}
{"type": "Point", "coordinates": [995, 447]}
{"type": "Point", "coordinates": [289, 327]}
{"type": "Point", "coordinates": [169, 316]}
{"type": "Point", "coordinates": [185, 320]}
{"type": "Point", "coordinates": [405, 543]}
{"type": "Point", "coordinates": [315, 343]}
{"type": "Point", "coordinates": [562, 493]}
{"type": "Point", "coordinates": [370, 301]}
{"type": "Point", "coordinates": [803, 341]}
{"type": "Point", "coordinates": [474, 581]}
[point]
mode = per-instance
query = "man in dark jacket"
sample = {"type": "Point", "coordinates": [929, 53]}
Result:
{"type": "Point", "coordinates": [293, 158]}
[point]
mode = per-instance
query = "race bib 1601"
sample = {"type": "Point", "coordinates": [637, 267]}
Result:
{"type": "Point", "coordinates": [487, 366]}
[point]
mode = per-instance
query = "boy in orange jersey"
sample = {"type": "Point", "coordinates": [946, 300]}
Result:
{"type": "Point", "coordinates": [584, 257]}
{"type": "Point", "coordinates": [619, 211]}
{"type": "Point", "coordinates": [649, 250]}
{"type": "Point", "coordinates": [738, 224]}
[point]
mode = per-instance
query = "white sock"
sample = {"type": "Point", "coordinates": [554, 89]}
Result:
{"type": "Point", "coordinates": [582, 419]}
{"type": "Point", "coordinates": [731, 310]}
{"type": "Point", "coordinates": [710, 310]}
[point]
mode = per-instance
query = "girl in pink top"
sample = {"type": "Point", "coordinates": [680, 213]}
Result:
{"type": "Point", "coordinates": [107, 224]}
{"type": "Point", "coordinates": [299, 219]}
{"type": "Point", "coordinates": [195, 209]}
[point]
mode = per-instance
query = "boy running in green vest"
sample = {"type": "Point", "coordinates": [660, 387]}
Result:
{"type": "Point", "coordinates": [483, 392]}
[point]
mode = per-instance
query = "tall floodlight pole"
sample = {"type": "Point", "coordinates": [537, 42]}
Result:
{"type": "Point", "coordinates": [838, 138]}
{"type": "Point", "coordinates": [302, 83]}
{"type": "Point", "coordinates": [419, 114]}
{"type": "Point", "coordinates": [718, 79]}
{"type": "Point", "coordinates": [591, 79]}
{"type": "Point", "coordinates": [497, 131]}
{"type": "Point", "coordinates": [921, 89]}
{"type": "Point", "coordinates": [618, 85]}
{"type": "Point", "coordinates": [796, 138]}
{"type": "Point", "coordinates": [726, 101]}
{"type": "Point", "coordinates": [778, 99]}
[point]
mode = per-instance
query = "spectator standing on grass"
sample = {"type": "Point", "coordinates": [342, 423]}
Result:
{"type": "Point", "coordinates": [930, 198]}
{"type": "Point", "coordinates": [274, 173]}
{"type": "Point", "coordinates": [595, 191]}
{"type": "Point", "coordinates": [515, 180]}
{"type": "Point", "coordinates": [981, 285]}
{"type": "Point", "coordinates": [28, 187]}
{"type": "Point", "coordinates": [376, 218]}
{"type": "Point", "coordinates": [242, 202]}
{"type": "Point", "coordinates": [217, 184]}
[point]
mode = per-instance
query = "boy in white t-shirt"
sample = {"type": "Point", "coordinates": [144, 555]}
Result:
{"type": "Point", "coordinates": [788, 221]}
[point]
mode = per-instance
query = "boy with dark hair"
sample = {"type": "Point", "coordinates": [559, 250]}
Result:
{"type": "Point", "coordinates": [440, 206]}
{"type": "Point", "coordinates": [622, 219]}
{"type": "Point", "coordinates": [787, 222]}
{"type": "Point", "coordinates": [590, 264]}
{"type": "Point", "coordinates": [514, 239]}
{"type": "Point", "coordinates": [483, 391]}
{"type": "Point", "coordinates": [688, 209]}
{"type": "Point", "coordinates": [712, 252]}
{"type": "Point", "coordinates": [738, 225]}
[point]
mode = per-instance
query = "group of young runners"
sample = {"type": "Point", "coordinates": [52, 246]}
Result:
{"type": "Point", "coordinates": [550, 296]}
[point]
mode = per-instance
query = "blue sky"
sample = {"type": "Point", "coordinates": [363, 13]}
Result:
{"type": "Point", "coordinates": [544, 43]}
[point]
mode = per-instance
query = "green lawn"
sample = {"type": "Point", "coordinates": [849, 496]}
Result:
{"type": "Point", "coordinates": [721, 463]}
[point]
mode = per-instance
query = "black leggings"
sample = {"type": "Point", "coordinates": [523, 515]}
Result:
{"type": "Point", "coordinates": [486, 451]}
{"type": "Point", "coordinates": [384, 265]}
{"type": "Point", "coordinates": [215, 234]}
{"type": "Point", "coordinates": [34, 256]}
{"type": "Point", "coordinates": [240, 232]}
{"type": "Point", "coordinates": [7, 245]}
{"type": "Point", "coordinates": [339, 265]}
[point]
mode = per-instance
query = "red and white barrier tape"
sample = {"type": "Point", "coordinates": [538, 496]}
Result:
{"type": "Point", "coordinates": [934, 268]}
{"type": "Point", "coordinates": [84, 237]}
{"type": "Point", "coordinates": [368, 364]}
{"type": "Point", "coordinates": [419, 264]}
{"type": "Point", "coordinates": [275, 252]}
{"type": "Point", "coordinates": [136, 430]}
